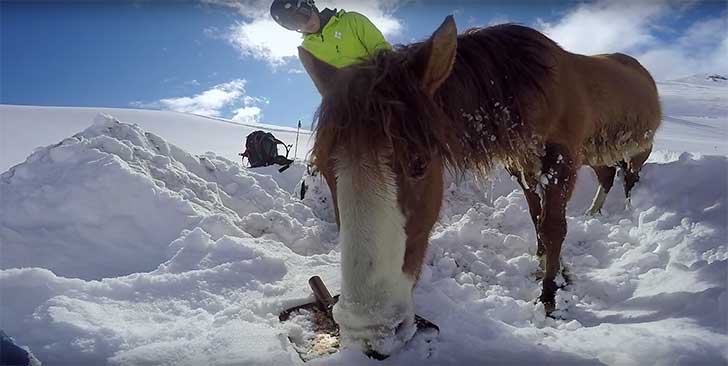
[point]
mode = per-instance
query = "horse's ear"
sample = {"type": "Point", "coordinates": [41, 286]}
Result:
{"type": "Point", "coordinates": [437, 56]}
{"type": "Point", "coordinates": [322, 74]}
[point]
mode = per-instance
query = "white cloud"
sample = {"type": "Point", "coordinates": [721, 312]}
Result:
{"type": "Point", "coordinates": [261, 38]}
{"type": "Point", "coordinates": [209, 102]}
{"type": "Point", "coordinates": [606, 26]}
{"type": "Point", "coordinates": [634, 28]}
{"type": "Point", "coordinates": [213, 101]}
{"type": "Point", "coordinates": [380, 12]}
{"type": "Point", "coordinates": [702, 49]}
{"type": "Point", "coordinates": [248, 100]}
{"type": "Point", "coordinates": [246, 8]}
{"type": "Point", "coordinates": [247, 115]}
{"type": "Point", "coordinates": [264, 39]}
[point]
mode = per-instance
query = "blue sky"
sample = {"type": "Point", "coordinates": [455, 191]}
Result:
{"type": "Point", "coordinates": [228, 59]}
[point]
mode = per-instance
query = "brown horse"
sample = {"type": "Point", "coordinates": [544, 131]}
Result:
{"type": "Point", "coordinates": [389, 126]}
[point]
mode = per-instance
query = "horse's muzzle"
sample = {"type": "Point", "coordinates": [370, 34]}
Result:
{"type": "Point", "coordinates": [385, 349]}
{"type": "Point", "coordinates": [377, 339]}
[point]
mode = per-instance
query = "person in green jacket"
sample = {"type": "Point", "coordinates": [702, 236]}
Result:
{"type": "Point", "coordinates": [339, 38]}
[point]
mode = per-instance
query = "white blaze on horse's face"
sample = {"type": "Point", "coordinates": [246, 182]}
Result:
{"type": "Point", "coordinates": [375, 310]}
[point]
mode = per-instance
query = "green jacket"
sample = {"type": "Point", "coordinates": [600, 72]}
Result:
{"type": "Point", "coordinates": [346, 39]}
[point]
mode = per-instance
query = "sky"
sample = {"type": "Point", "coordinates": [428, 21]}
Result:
{"type": "Point", "coordinates": [229, 59]}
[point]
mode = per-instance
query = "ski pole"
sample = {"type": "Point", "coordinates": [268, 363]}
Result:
{"type": "Point", "coordinates": [295, 150]}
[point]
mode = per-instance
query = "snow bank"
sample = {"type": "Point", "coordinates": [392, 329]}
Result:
{"type": "Point", "coordinates": [121, 248]}
{"type": "Point", "coordinates": [107, 202]}
{"type": "Point", "coordinates": [125, 249]}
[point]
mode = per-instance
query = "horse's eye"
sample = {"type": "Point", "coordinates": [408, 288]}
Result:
{"type": "Point", "coordinates": [418, 168]}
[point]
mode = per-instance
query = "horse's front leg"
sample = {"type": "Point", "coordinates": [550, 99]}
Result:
{"type": "Point", "coordinates": [529, 185]}
{"type": "Point", "coordinates": [559, 171]}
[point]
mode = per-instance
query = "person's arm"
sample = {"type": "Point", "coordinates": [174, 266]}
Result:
{"type": "Point", "coordinates": [368, 34]}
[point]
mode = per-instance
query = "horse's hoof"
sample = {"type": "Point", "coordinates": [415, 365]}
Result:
{"type": "Point", "coordinates": [425, 325]}
{"type": "Point", "coordinates": [548, 296]}
{"type": "Point", "coordinates": [549, 303]}
{"type": "Point", "coordinates": [375, 355]}
{"type": "Point", "coordinates": [549, 307]}
{"type": "Point", "coordinates": [593, 213]}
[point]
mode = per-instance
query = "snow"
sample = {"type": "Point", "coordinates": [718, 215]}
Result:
{"type": "Point", "coordinates": [25, 128]}
{"type": "Point", "coordinates": [128, 243]}
{"type": "Point", "coordinates": [695, 115]}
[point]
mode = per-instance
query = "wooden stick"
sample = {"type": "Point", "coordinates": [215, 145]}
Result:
{"type": "Point", "coordinates": [322, 294]}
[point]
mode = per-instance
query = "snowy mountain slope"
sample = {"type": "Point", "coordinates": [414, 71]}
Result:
{"type": "Point", "coordinates": [121, 247]}
{"type": "Point", "coordinates": [695, 115]}
{"type": "Point", "coordinates": [24, 128]}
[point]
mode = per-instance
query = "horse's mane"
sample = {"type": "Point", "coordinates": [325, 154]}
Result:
{"type": "Point", "coordinates": [477, 110]}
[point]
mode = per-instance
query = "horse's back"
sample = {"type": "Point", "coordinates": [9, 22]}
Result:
{"type": "Point", "coordinates": [619, 87]}
{"type": "Point", "coordinates": [623, 59]}
{"type": "Point", "coordinates": [623, 70]}
{"type": "Point", "coordinates": [623, 108]}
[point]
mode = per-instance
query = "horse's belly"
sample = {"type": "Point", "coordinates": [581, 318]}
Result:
{"type": "Point", "coordinates": [610, 145]}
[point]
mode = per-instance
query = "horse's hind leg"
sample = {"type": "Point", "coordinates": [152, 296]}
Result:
{"type": "Point", "coordinates": [605, 176]}
{"type": "Point", "coordinates": [560, 169]}
{"type": "Point", "coordinates": [631, 171]}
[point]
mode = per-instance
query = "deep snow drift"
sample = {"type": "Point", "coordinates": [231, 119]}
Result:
{"type": "Point", "coordinates": [120, 247]}
{"type": "Point", "coordinates": [146, 253]}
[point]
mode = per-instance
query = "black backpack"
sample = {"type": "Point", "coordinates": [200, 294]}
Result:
{"type": "Point", "coordinates": [261, 149]}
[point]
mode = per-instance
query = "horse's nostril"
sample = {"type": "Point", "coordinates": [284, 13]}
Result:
{"type": "Point", "coordinates": [375, 355]}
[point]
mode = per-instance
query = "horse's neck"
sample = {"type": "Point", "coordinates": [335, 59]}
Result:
{"type": "Point", "coordinates": [491, 131]}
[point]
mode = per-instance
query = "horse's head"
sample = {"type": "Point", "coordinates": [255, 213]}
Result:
{"type": "Point", "coordinates": [381, 143]}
